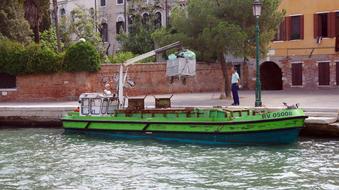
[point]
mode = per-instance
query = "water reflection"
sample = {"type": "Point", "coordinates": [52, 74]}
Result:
{"type": "Point", "coordinates": [48, 159]}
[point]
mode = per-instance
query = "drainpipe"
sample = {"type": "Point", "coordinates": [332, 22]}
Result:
{"type": "Point", "coordinates": [125, 15]}
{"type": "Point", "coordinates": [95, 15]}
{"type": "Point", "coordinates": [166, 12]}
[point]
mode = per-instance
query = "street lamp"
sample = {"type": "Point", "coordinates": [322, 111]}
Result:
{"type": "Point", "coordinates": [257, 12]}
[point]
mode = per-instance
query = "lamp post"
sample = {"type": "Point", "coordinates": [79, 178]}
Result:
{"type": "Point", "coordinates": [257, 13]}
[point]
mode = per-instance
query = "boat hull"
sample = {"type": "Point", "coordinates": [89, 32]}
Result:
{"type": "Point", "coordinates": [213, 127]}
{"type": "Point", "coordinates": [270, 137]}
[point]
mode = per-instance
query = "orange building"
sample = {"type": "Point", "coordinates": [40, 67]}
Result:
{"type": "Point", "coordinates": [305, 51]}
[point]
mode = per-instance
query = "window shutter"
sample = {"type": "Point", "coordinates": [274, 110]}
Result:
{"type": "Point", "coordinates": [302, 27]}
{"type": "Point", "coordinates": [324, 73]}
{"type": "Point", "coordinates": [288, 28]}
{"type": "Point", "coordinates": [283, 30]}
{"type": "Point", "coordinates": [331, 24]}
{"type": "Point", "coordinates": [316, 31]}
{"type": "Point", "coordinates": [297, 74]}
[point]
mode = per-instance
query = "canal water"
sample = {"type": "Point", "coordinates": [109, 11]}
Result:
{"type": "Point", "coordinates": [48, 159]}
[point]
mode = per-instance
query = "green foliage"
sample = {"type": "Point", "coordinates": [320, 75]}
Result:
{"type": "Point", "coordinates": [16, 59]}
{"type": "Point", "coordinates": [48, 39]}
{"type": "Point", "coordinates": [80, 25]}
{"type": "Point", "coordinates": [148, 60]}
{"type": "Point", "coordinates": [39, 59]}
{"type": "Point", "coordinates": [13, 24]}
{"type": "Point", "coordinates": [121, 57]}
{"type": "Point", "coordinates": [138, 42]}
{"type": "Point", "coordinates": [38, 15]}
{"type": "Point", "coordinates": [213, 28]}
{"type": "Point", "coordinates": [139, 39]}
{"type": "Point", "coordinates": [81, 56]}
{"type": "Point", "coordinates": [11, 57]}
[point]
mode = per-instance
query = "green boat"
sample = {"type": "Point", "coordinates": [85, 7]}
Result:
{"type": "Point", "coordinates": [106, 115]}
{"type": "Point", "coordinates": [99, 115]}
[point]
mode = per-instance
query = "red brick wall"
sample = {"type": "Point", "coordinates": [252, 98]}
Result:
{"type": "Point", "coordinates": [309, 72]}
{"type": "Point", "coordinates": [149, 79]}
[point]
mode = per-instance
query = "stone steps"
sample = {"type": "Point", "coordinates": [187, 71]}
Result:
{"type": "Point", "coordinates": [322, 114]}
{"type": "Point", "coordinates": [321, 120]}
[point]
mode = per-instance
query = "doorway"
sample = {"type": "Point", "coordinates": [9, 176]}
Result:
{"type": "Point", "coordinates": [271, 76]}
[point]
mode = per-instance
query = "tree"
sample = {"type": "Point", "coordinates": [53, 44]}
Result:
{"type": "Point", "coordinates": [143, 21]}
{"type": "Point", "coordinates": [56, 23]}
{"type": "Point", "coordinates": [216, 28]}
{"type": "Point", "coordinates": [82, 56]}
{"type": "Point", "coordinates": [13, 24]}
{"type": "Point", "coordinates": [80, 25]}
{"type": "Point", "coordinates": [37, 14]}
{"type": "Point", "coordinates": [48, 39]}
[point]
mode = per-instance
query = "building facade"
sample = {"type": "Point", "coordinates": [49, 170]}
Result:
{"type": "Point", "coordinates": [113, 15]}
{"type": "Point", "coordinates": [305, 51]}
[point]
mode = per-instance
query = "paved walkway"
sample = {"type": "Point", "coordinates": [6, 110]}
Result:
{"type": "Point", "coordinates": [319, 99]}
{"type": "Point", "coordinates": [306, 98]}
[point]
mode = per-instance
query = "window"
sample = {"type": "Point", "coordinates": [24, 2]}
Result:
{"type": "Point", "coordinates": [102, 2]}
{"type": "Point", "coordinates": [157, 21]}
{"type": "Point", "coordinates": [85, 106]}
{"type": "Point", "coordinates": [325, 25]}
{"type": "Point", "coordinates": [337, 73]}
{"type": "Point", "coordinates": [120, 27]}
{"type": "Point", "coordinates": [145, 18]}
{"type": "Point", "coordinates": [91, 12]}
{"type": "Point", "coordinates": [297, 74]}
{"type": "Point", "coordinates": [292, 28]}
{"type": "Point", "coordinates": [104, 32]}
{"type": "Point", "coordinates": [7, 81]}
{"type": "Point", "coordinates": [130, 23]}
{"type": "Point", "coordinates": [295, 27]}
{"type": "Point", "coordinates": [73, 15]}
{"type": "Point", "coordinates": [62, 12]}
{"type": "Point", "coordinates": [119, 2]}
{"type": "Point", "coordinates": [95, 106]}
{"type": "Point", "coordinates": [324, 73]}
{"type": "Point", "coordinates": [104, 106]}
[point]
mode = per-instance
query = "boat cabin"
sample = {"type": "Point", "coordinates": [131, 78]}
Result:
{"type": "Point", "coordinates": [97, 104]}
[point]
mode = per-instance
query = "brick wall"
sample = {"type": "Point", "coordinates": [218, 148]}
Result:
{"type": "Point", "coordinates": [310, 78]}
{"type": "Point", "coordinates": [149, 79]}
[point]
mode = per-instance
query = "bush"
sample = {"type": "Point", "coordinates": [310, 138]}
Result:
{"type": "Point", "coordinates": [81, 56]}
{"type": "Point", "coordinates": [121, 57]}
{"type": "Point", "coordinates": [41, 60]}
{"type": "Point", "coordinates": [15, 59]}
{"type": "Point", "coordinates": [11, 57]}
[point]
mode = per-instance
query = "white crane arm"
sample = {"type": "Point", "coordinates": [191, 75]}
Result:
{"type": "Point", "coordinates": [150, 54]}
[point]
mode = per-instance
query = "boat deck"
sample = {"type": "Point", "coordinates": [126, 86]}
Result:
{"type": "Point", "coordinates": [186, 112]}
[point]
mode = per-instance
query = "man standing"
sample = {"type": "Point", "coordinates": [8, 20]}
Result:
{"type": "Point", "coordinates": [235, 87]}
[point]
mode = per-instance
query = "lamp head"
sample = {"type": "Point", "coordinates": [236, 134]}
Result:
{"type": "Point", "coordinates": [257, 8]}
